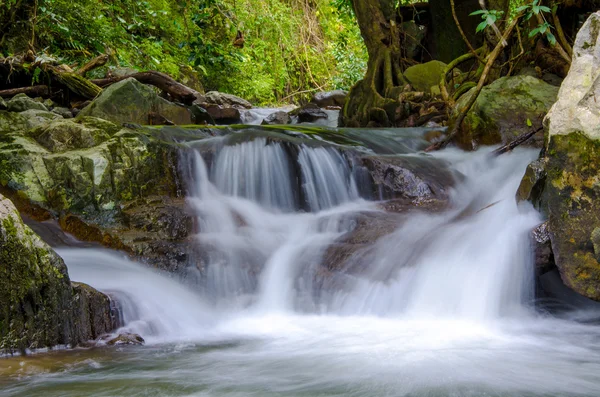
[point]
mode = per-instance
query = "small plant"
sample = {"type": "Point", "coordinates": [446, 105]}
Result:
{"type": "Point", "coordinates": [489, 18]}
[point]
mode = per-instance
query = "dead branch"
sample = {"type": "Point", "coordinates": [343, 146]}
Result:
{"type": "Point", "coordinates": [516, 142]}
{"type": "Point", "coordinates": [33, 91]}
{"type": "Point", "coordinates": [93, 64]}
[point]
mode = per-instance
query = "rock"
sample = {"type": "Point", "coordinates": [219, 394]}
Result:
{"type": "Point", "coordinates": [224, 114]}
{"type": "Point", "coordinates": [40, 307]}
{"type": "Point", "coordinates": [22, 102]}
{"type": "Point", "coordinates": [93, 312]}
{"type": "Point", "coordinates": [309, 113]}
{"type": "Point", "coordinates": [502, 109]}
{"type": "Point", "coordinates": [120, 72]}
{"type": "Point", "coordinates": [126, 339]}
{"type": "Point", "coordinates": [130, 101]}
{"type": "Point", "coordinates": [571, 194]}
{"type": "Point", "coordinates": [330, 98]}
{"type": "Point", "coordinates": [62, 135]}
{"type": "Point", "coordinates": [49, 103]}
{"type": "Point", "coordinates": [425, 75]}
{"type": "Point", "coordinates": [533, 183]}
{"type": "Point", "coordinates": [66, 113]}
{"type": "Point", "coordinates": [277, 118]}
{"type": "Point", "coordinates": [543, 255]}
{"type": "Point", "coordinates": [200, 115]}
{"type": "Point", "coordinates": [415, 178]}
{"type": "Point", "coordinates": [413, 37]}
{"type": "Point", "coordinates": [3, 105]}
{"type": "Point", "coordinates": [219, 98]}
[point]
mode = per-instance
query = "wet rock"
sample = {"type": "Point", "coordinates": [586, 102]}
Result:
{"type": "Point", "coordinates": [130, 101]}
{"type": "Point", "coordinates": [533, 182]}
{"type": "Point", "coordinates": [40, 307]}
{"type": "Point", "coordinates": [543, 255]}
{"type": "Point", "coordinates": [425, 75]}
{"type": "Point", "coordinates": [571, 194]}
{"type": "Point", "coordinates": [502, 110]}
{"type": "Point", "coordinates": [200, 115]}
{"type": "Point", "coordinates": [219, 98]}
{"type": "Point", "coordinates": [224, 114]}
{"type": "Point", "coordinates": [22, 102]}
{"type": "Point", "coordinates": [350, 250]}
{"type": "Point", "coordinates": [277, 118]}
{"type": "Point", "coordinates": [309, 113]}
{"type": "Point", "coordinates": [93, 312]}
{"type": "Point", "coordinates": [411, 177]}
{"type": "Point", "coordinates": [330, 98]}
{"type": "Point", "coordinates": [126, 339]}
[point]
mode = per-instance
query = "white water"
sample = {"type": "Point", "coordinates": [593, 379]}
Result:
{"type": "Point", "coordinates": [442, 307]}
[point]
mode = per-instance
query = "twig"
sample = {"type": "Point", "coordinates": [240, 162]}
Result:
{"type": "Point", "coordinates": [516, 142]}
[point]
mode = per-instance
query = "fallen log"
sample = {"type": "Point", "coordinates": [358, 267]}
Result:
{"type": "Point", "coordinates": [32, 91]}
{"type": "Point", "coordinates": [78, 84]}
{"type": "Point", "coordinates": [177, 91]}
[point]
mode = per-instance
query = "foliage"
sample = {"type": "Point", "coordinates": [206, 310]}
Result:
{"type": "Point", "coordinates": [291, 47]}
{"type": "Point", "coordinates": [527, 11]}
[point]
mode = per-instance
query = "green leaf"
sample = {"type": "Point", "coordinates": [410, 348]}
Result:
{"type": "Point", "coordinates": [481, 26]}
{"type": "Point", "coordinates": [478, 12]}
{"type": "Point", "coordinates": [545, 9]}
{"type": "Point", "coordinates": [534, 32]}
{"type": "Point", "coordinates": [529, 123]}
{"type": "Point", "coordinates": [522, 8]}
{"type": "Point", "coordinates": [551, 38]}
{"type": "Point", "coordinates": [121, 19]}
{"type": "Point", "coordinates": [535, 9]}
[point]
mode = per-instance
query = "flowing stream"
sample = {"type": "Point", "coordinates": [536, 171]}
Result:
{"type": "Point", "coordinates": [442, 306]}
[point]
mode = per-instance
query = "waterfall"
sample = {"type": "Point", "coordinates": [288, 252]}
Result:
{"type": "Point", "coordinates": [438, 307]}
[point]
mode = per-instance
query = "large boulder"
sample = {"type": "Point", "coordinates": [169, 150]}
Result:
{"type": "Point", "coordinates": [62, 135]}
{"type": "Point", "coordinates": [330, 98]}
{"type": "Point", "coordinates": [277, 118]}
{"type": "Point", "coordinates": [220, 98]}
{"type": "Point", "coordinates": [410, 177]}
{"type": "Point", "coordinates": [39, 306]}
{"type": "Point", "coordinates": [22, 102]}
{"type": "Point", "coordinates": [130, 101]}
{"type": "Point", "coordinates": [570, 197]}
{"type": "Point", "coordinates": [425, 75]}
{"type": "Point", "coordinates": [505, 109]}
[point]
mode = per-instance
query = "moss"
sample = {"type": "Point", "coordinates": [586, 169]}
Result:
{"type": "Point", "coordinates": [572, 200]}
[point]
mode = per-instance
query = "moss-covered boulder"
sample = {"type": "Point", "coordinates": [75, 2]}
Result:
{"type": "Point", "coordinates": [61, 135]}
{"type": "Point", "coordinates": [21, 103]}
{"type": "Point", "coordinates": [567, 189]}
{"type": "Point", "coordinates": [505, 109]}
{"type": "Point", "coordinates": [130, 101]}
{"type": "Point", "coordinates": [425, 75]}
{"type": "Point", "coordinates": [38, 305]}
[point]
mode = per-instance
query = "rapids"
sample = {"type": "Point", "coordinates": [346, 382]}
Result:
{"type": "Point", "coordinates": [444, 305]}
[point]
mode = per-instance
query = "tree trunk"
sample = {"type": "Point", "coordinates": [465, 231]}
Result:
{"type": "Point", "coordinates": [373, 101]}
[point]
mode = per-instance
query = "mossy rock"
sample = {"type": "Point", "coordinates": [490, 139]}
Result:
{"type": "Point", "coordinates": [22, 102]}
{"type": "Point", "coordinates": [130, 101]}
{"type": "Point", "coordinates": [502, 110]}
{"type": "Point", "coordinates": [37, 305]}
{"type": "Point", "coordinates": [425, 75]}
{"type": "Point", "coordinates": [571, 198]}
{"type": "Point", "coordinates": [62, 135]}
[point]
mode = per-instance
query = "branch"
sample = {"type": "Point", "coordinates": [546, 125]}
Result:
{"type": "Point", "coordinates": [463, 112]}
{"type": "Point", "coordinates": [93, 64]}
{"type": "Point", "coordinates": [516, 142]}
{"type": "Point", "coordinates": [462, 33]}
{"type": "Point", "coordinates": [562, 39]}
{"type": "Point", "coordinates": [36, 90]}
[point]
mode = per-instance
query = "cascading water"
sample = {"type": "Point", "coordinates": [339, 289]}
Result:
{"type": "Point", "coordinates": [439, 307]}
